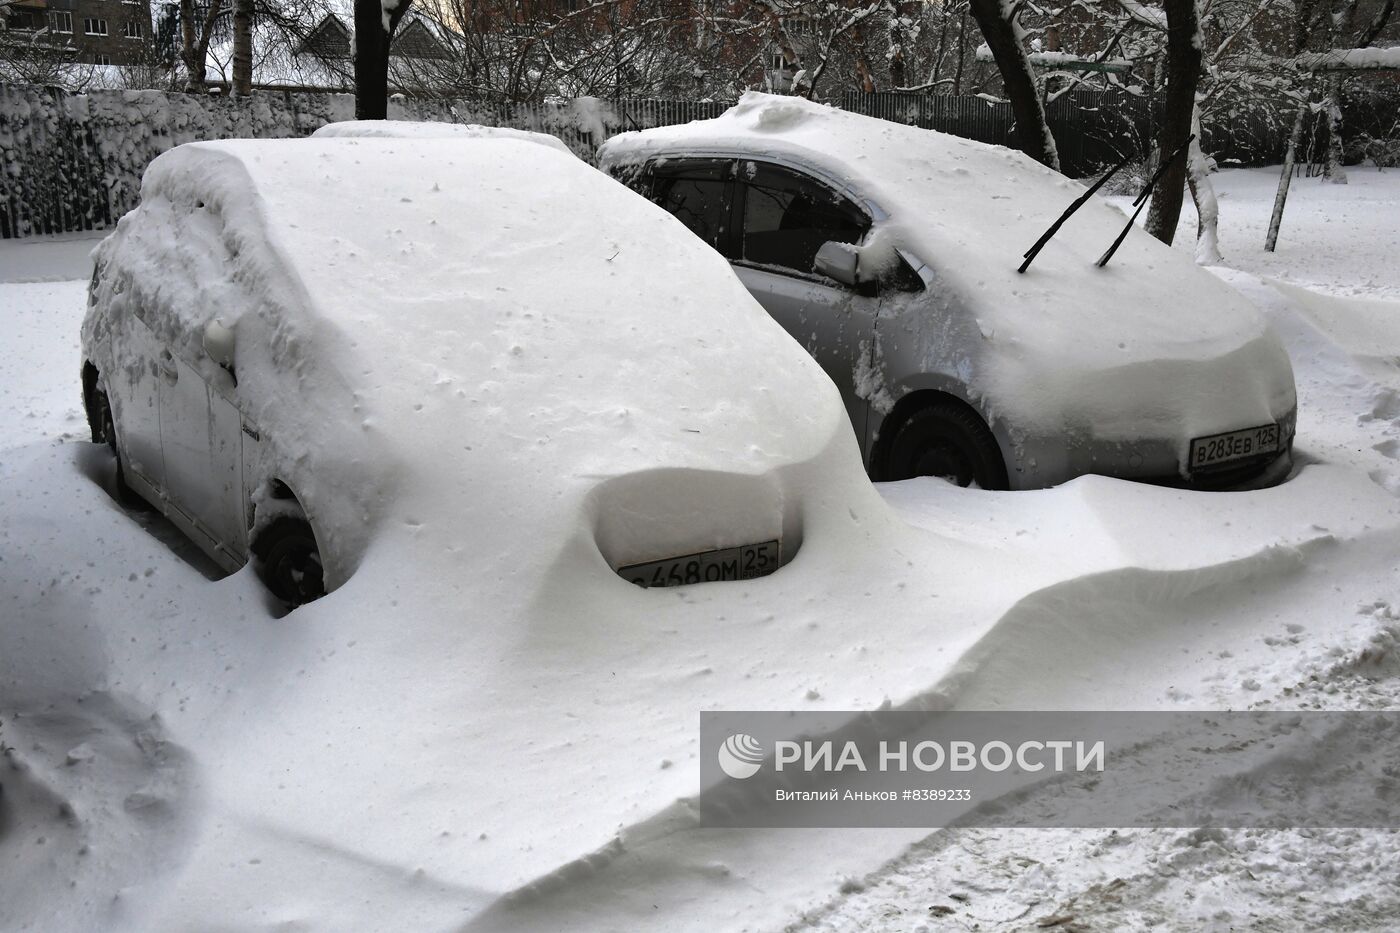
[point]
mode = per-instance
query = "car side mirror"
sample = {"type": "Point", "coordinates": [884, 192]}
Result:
{"type": "Point", "coordinates": [839, 261]}
{"type": "Point", "coordinates": [219, 344]}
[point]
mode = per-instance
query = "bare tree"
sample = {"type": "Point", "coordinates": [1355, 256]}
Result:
{"type": "Point", "coordinates": [42, 57]}
{"type": "Point", "coordinates": [998, 21]}
{"type": "Point", "coordinates": [1340, 31]}
{"type": "Point", "coordinates": [195, 33]}
{"type": "Point", "coordinates": [270, 41]}
{"type": "Point", "coordinates": [506, 50]}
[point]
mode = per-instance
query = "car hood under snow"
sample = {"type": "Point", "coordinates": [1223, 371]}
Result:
{"type": "Point", "coordinates": [1150, 343]}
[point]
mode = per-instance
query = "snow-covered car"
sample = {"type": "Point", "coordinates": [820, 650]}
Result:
{"type": "Point", "coordinates": [288, 337]}
{"type": "Point", "coordinates": [431, 129]}
{"type": "Point", "coordinates": [891, 254]}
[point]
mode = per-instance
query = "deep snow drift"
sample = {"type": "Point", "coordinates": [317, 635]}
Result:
{"type": "Point", "coordinates": [506, 746]}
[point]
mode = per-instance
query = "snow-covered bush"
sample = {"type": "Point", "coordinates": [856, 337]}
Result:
{"type": "Point", "coordinates": [75, 162]}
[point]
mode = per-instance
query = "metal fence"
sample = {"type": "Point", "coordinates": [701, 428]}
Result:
{"type": "Point", "coordinates": [74, 162]}
{"type": "Point", "coordinates": [71, 162]}
{"type": "Point", "coordinates": [1092, 129]}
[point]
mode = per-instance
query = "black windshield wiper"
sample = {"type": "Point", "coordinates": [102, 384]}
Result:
{"type": "Point", "coordinates": [1031, 253]}
{"type": "Point", "coordinates": [1141, 201]}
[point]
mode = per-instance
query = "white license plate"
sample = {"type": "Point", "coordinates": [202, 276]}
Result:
{"type": "Point", "coordinates": [733, 563]}
{"type": "Point", "coordinates": [1234, 445]}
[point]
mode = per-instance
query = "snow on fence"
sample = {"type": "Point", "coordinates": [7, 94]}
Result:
{"type": "Point", "coordinates": [74, 161]}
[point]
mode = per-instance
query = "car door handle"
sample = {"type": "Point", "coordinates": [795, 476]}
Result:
{"type": "Point", "coordinates": [168, 369]}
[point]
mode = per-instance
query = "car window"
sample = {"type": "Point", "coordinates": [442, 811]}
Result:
{"type": "Point", "coordinates": [695, 192]}
{"type": "Point", "coordinates": [788, 216]}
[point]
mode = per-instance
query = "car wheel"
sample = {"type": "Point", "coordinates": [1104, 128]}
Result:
{"type": "Point", "coordinates": [948, 440]}
{"type": "Point", "coordinates": [288, 560]}
{"type": "Point", "coordinates": [107, 432]}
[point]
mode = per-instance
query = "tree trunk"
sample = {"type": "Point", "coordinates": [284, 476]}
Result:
{"type": "Point", "coordinates": [1203, 193]}
{"type": "Point", "coordinates": [242, 48]}
{"type": "Point", "coordinates": [863, 72]}
{"type": "Point", "coordinates": [189, 48]}
{"type": "Point", "coordinates": [898, 77]}
{"type": "Point", "coordinates": [374, 30]}
{"type": "Point", "coordinates": [1332, 169]}
{"type": "Point", "coordinates": [997, 22]}
{"type": "Point", "coordinates": [1290, 158]}
{"type": "Point", "coordinates": [1183, 71]}
{"type": "Point", "coordinates": [962, 53]}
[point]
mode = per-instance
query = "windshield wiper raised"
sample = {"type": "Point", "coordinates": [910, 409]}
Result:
{"type": "Point", "coordinates": [1031, 253]}
{"type": "Point", "coordinates": [1141, 201]}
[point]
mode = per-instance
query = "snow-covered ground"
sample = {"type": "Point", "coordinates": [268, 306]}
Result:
{"type": "Point", "coordinates": [143, 780]}
{"type": "Point", "coordinates": [1214, 604]}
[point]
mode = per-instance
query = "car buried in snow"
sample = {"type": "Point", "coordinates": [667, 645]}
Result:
{"type": "Point", "coordinates": [432, 129]}
{"type": "Point", "coordinates": [290, 341]}
{"type": "Point", "coordinates": [890, 253]}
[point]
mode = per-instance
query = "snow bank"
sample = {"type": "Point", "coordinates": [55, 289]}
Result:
{"type": "Point", "coordinates": [1149, 346]}
{"type": "Point", "coordinates": [485, 728]}
{"type": "Point", "coordinates": [486, 402]}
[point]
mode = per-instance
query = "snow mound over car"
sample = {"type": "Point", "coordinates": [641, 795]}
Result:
{"type": "Point", "coordinates": [1065, 336]}
{"type": "Point", "coordinates": [428, 129]}
{"type": "Point", "coordinates": [494, 375]}
{"type": "Point", "coordinates": [421, 317]}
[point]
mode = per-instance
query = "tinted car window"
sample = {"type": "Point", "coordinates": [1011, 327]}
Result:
{"type": "Point", "coordinates": [695, 192]}
{"type": "Point", "coordinates": [787, 217]}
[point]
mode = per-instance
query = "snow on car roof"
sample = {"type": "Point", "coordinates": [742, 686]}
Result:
{"type": "Point", "coordinates": [969, 210]}
{"type": "Point", "coordinates": [500, 291]}
{"type": "Point", "coordinates": [431, 129]}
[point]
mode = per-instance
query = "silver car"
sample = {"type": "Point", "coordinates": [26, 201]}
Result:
{"type": "Point", "coordinates": [890, 254]}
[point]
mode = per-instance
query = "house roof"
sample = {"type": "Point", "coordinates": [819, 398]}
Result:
{"type": "Point", "coordinates": [321, 59]}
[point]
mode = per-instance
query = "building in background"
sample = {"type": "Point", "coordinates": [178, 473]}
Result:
{"type": "Point", "coordinates": [80, 32]}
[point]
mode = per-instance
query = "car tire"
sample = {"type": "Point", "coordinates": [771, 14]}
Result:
{"type": "Point", "coordinates": [949, 440]}
{"type": "Point", "coordinates": [288, 560]}
{"type": "Point", "coordinates": [106, 431]}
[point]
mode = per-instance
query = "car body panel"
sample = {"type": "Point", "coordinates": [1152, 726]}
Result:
{"type": "Point", "coordinates": [202, 440]}
{"type": "Point", "coordinates": [832, 324]}
{"type": "Point", "coordinates": [134, 390]}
